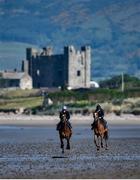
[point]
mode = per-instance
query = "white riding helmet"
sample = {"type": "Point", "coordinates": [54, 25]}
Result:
{"type": "Point", "coordinates": [64, 107]}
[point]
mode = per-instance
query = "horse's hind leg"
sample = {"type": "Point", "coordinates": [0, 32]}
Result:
{"type": "Point", "coordinates": [106, 145]}
{"type": "Point", "coordinates": [106, 140]}
{"type": "Point", "coordinates": [62, 144]}
{"type": "Point", "coordinates": [68, 144]}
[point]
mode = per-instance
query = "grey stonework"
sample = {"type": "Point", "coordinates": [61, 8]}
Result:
{"type": "Point", "coordinates": [71, 69]}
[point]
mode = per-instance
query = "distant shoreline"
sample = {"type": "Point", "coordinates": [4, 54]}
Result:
{"type": "Point", "coordinates": [6, 119]}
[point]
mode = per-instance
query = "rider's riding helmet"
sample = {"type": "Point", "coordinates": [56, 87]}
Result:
{"type": "Point", "coordinates": [64, 107]}
{"type": "Point", "coordinates": [98, 106]}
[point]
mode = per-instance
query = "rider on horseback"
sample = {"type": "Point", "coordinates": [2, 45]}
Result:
{"type": "Point", "coordinates": [100, 112]}
{"type": "Point", "coordinates": [66, 112]}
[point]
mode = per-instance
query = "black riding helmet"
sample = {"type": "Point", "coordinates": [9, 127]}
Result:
{"type": "Point", "coordinates": [98, 106]}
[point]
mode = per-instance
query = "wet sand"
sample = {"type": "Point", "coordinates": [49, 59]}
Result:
{"type": "Point", "coordinates": [32, 150]}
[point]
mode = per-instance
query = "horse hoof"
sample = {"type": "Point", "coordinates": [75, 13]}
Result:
{"type": "Point", "coordinates": [67, 147]}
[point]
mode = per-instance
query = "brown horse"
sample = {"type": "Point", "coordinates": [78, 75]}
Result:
{"type": "Point", "coordinates": [100, 132]}
{"type": "Point", "coordinates": [65, 133]}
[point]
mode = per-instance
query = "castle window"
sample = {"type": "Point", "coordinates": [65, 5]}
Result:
{"type": "Point", "coordinates": [38, 72]}
{"type": "Point", "coordinates": [78, 73]}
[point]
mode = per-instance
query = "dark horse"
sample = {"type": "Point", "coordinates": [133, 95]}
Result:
{"type": "Point", "coordinates": [100, 132]}
{"type": "Point", "coordinates": [65, 133]}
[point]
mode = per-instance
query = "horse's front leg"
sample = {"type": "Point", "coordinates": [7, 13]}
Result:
{"type": "Point", "coordinates": [68, 144]}
{"type": "Point", "coordinates": [97, 144]}
{"type": "Point", "coordinates": [102, 142]}
{"type": "Point", "coordinates": [62, 145]}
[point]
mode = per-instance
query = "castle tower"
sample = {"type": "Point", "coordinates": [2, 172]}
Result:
{"type": "Point", "coordinates": [25, 66]}
{"type": "Point", "coordinates": [69, 53]}
{"type": "Point", "coordinates": [30, 54]}
{"type": "Point", "coordinates": [78, 66]}
{"type": "Point", "coordinates": [87, 59]}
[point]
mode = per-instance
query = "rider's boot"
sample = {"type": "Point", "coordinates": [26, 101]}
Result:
{"type": "Point", "coordinates": [69, 124]}
{"type": "Point", "coordinates": [58, 126]}
{"type": "Point", "coordinates": [92, 125]}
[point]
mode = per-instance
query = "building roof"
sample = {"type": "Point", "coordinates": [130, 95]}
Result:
{"type": "Point", "coordinates": [12, 75]}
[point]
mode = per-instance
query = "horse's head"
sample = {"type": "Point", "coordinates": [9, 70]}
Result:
{"type": "Point", "coordinates": [95, 115]}
{"type": "Point", "coordinates": [64, 118]}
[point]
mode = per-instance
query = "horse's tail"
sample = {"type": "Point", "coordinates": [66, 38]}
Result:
{"type": "Point", "coordinates": [106, 135]}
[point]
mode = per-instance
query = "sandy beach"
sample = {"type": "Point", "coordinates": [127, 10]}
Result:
{"type": "Point", "coordinates": [30, 148]}
{"type": "Point", "coordinates": [20, 119]}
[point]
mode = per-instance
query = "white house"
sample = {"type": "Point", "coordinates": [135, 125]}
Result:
{"type": "Point", "coordinates": [16, 80]}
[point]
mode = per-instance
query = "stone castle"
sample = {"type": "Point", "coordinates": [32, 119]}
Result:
{"type": "Point", "coordinates": [70, 69]}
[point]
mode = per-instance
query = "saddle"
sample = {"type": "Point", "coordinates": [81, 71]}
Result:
{"type": "Point", "coordinates": [67, 124]}
{"type": "Point", "coordinates": [95, 123]}
{"type": "Point", "coordinates": [61, 125]}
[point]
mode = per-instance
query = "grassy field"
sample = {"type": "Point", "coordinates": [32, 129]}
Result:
{"type": "Point", "coordinates": [30, 102]}
{"type": "Point", "coordinates": [83, 101]}
{"type": "Point", "coordinates": [18, 93]}
{"type": "Point", "coordinates": [15, 99]}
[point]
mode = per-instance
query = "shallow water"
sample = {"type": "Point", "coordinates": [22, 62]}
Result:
{"type": "Point", "coordinates": [34, 133]}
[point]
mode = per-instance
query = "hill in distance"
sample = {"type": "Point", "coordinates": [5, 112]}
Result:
{"type": "Point", "coordinates": [110, 27]}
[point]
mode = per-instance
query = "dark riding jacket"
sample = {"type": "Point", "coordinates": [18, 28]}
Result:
{"type": "Point", "coordinates": [100, 112]}
{"type": "Point", "coordinates": [64, 112]}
